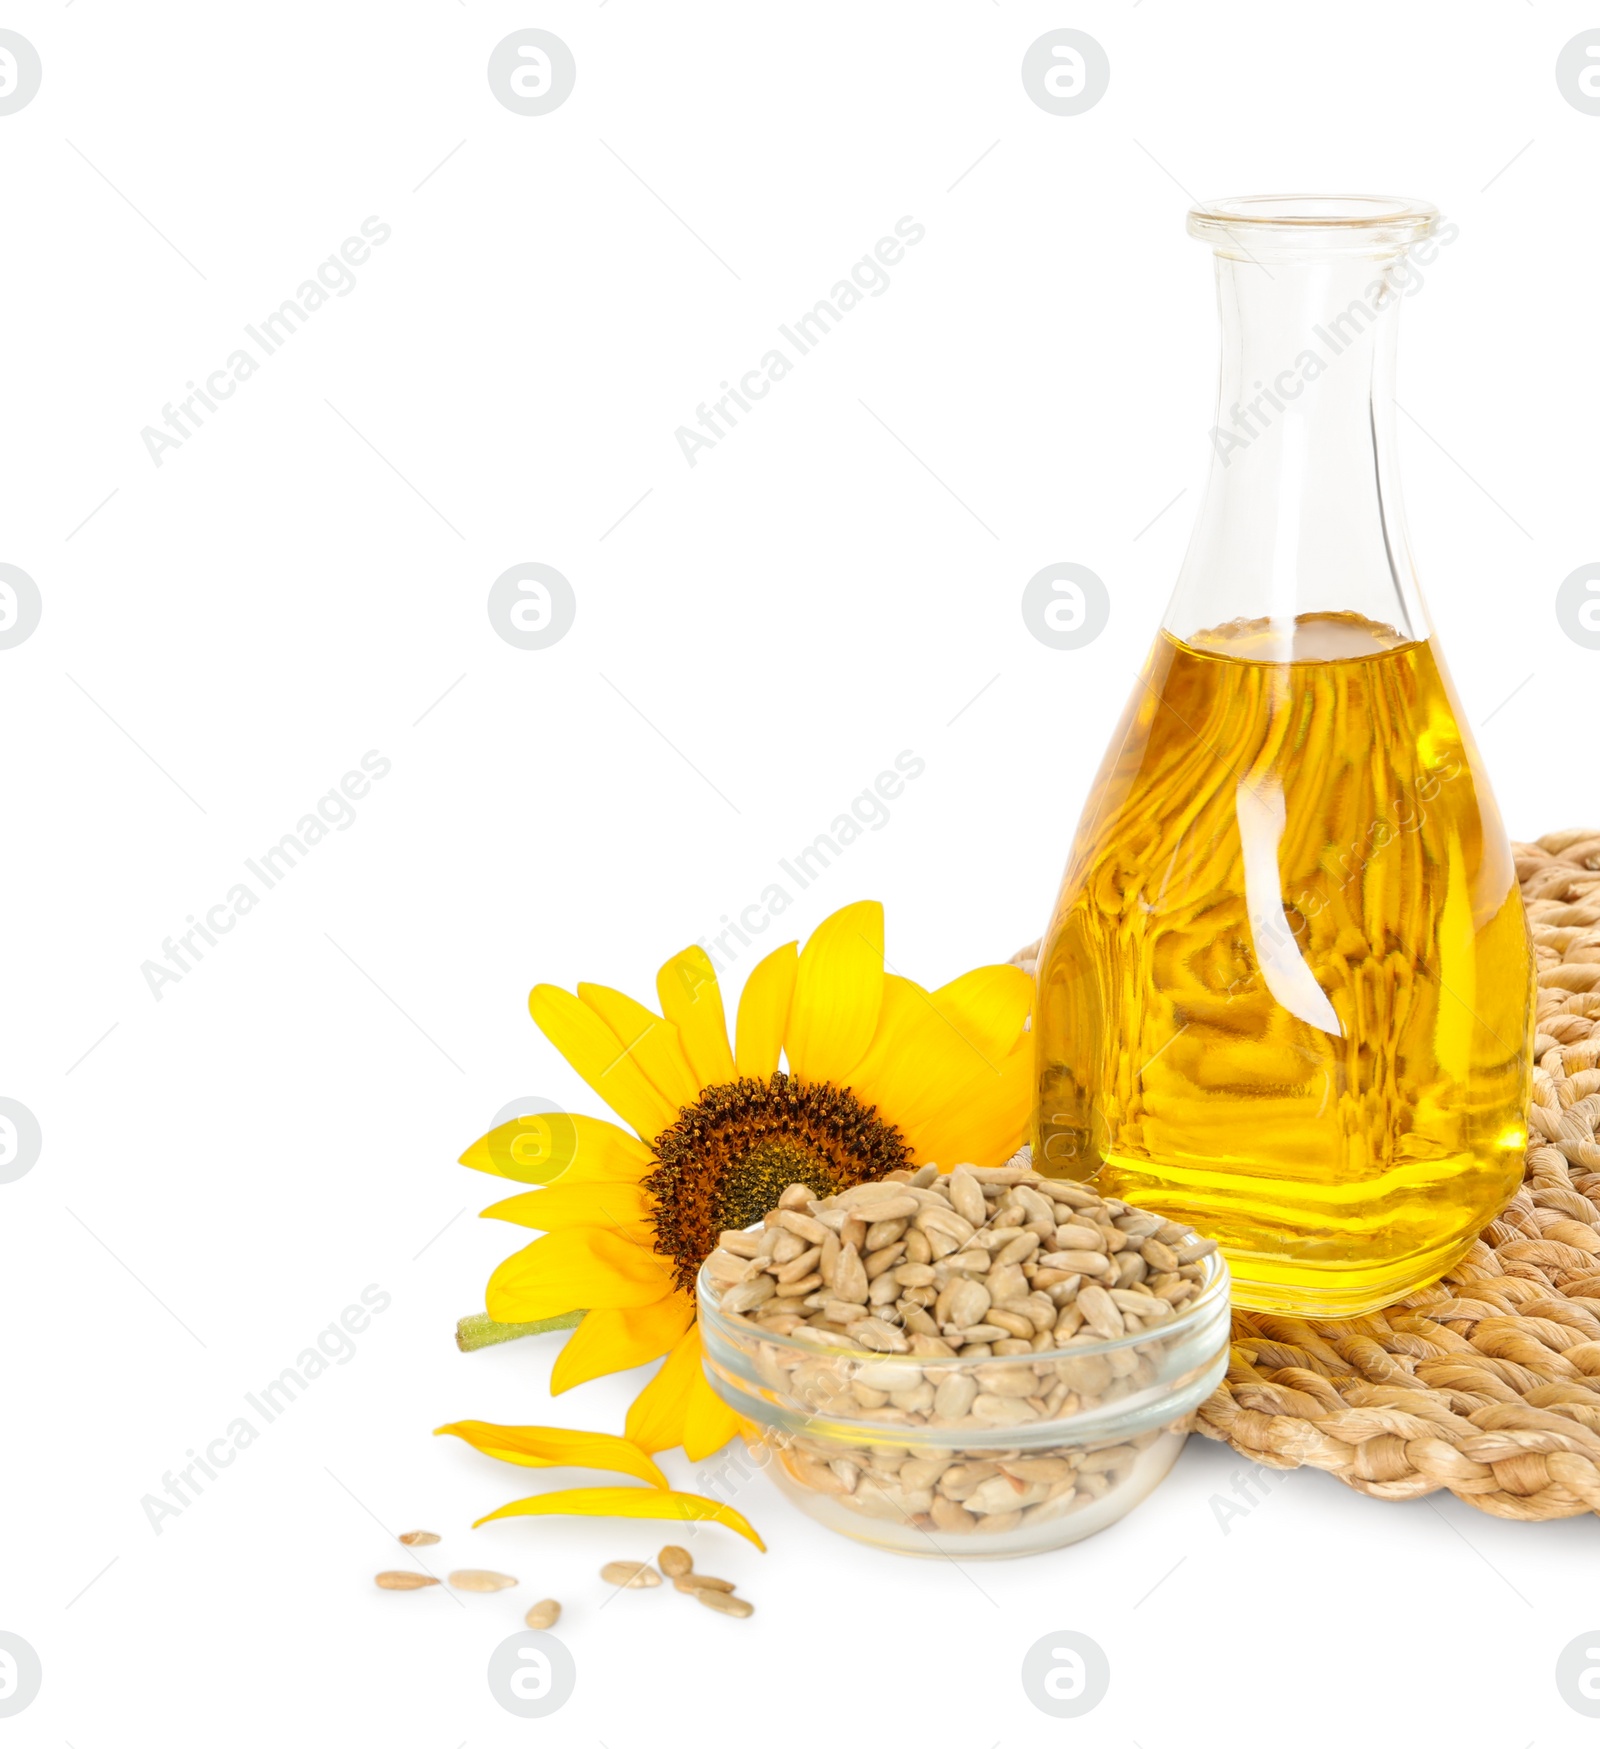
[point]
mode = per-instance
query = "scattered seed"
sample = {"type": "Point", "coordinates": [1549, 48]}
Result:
{"type": "Point", "coordinates": [724, 1602]}
{"type": "Point", "coordinates": [634, 1575]}
{"type": "Point", "coordinates": [480, 1579]}
{"type": "Point", "coordinates": [702, 1582]}
{"type": "Point", "coordinates": [672, 1560]}
{"type": "Point", "coordinates": [544, 1615]}
{"type": "Point", "coordinates": [416, 1539]}
{"type": "Point", "coordinates": [394, 1581]}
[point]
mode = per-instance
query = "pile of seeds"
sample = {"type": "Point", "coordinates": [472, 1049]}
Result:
{"type": "Point", "coordinates": [982, 1301]}
{"type": "Point", "coordinates": [983, 1260]}
{"type": "Point", "coordinates": [986, 1491]}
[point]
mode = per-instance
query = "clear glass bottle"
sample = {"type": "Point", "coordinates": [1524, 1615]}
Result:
{"type": "Point", "coordinates": [1287, 991]}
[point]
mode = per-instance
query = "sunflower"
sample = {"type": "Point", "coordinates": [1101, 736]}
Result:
{"type": "Point", "coordinates": [839, 1072]}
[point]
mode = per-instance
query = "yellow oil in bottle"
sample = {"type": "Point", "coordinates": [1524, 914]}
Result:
{"type": "Point", "coordinates": [1287, 992]}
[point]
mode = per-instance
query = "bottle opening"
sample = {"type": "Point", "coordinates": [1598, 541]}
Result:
{"type": "Point", "coordinates": [1284, 226]}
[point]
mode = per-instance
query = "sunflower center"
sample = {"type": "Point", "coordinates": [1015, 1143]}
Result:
{"type": "Point", "coordinates": [734, 1152]}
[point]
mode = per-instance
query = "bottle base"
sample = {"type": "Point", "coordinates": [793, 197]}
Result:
{"type": "Point", "coordinates": [1315, 1250]}
{"type": "Point", "coordinates": [1266, 1284]}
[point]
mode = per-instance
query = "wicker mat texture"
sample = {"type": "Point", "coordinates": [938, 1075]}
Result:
{"type": "Point", "coordinates": [1487, 1383]}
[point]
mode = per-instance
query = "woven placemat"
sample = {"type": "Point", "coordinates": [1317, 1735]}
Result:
{"type": "Point", "coordinates": [1487, 1383]}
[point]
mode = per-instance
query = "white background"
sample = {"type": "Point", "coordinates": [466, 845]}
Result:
{"type": "Point", "coordinates": [306, 576]}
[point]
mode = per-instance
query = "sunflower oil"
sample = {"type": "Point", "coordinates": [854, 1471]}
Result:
{"type": "Point", "coordinates": [1287, 992]}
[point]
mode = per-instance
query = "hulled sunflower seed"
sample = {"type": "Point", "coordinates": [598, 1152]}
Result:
{"type": "Point", "coordinates": [480, 1579]}
{"type": "Point", "coordinates": [878, 1262]}
{"type": "Point", "coordinates": [849, 1276]}
{"type": "Point", "coordinates": [963, 1303]}
{"type": "Point", "coordinates": [949, 1515]}
{"type": "Point", "coordinates": [747, 1295]}
{"type": "Point", "coordinates": [802, 1226]}
{"type": "Point", "coordinates": [416, 1539]}
{"type": "Point", "coordinates": [1158, 1256]}
{"type": "Point", "coordinates": [544, 1615]}
{"type": "Point", "coordinates": [724, 1602]}
{"type": "Point", "coordinates": [879, 1336]}
{"type": "Point", "coordinates": [870, 1202]}
{"type": "Point", "coordinates": [1100, 1311]}
{"type": "Point", "coordinates": [966, 1198]}
{"type": "Point", "coordinates": [401, 1581]}
{"type": "Point", "coordinates": [630, 1575]}
{"type": "Point", "coordinates": [786, 1246]}
{"type": "Point", "coordinates": [675, 1562]}
{"type": "Point", "coordinates": [725, 1268]}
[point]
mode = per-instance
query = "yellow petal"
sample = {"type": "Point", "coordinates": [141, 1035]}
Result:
{"type": "Point", "coordinates": [987, 1120]}
{"type": "Point", "coordinates": [764, 1013]}
{"type": "Point", "coordinates": [908, 1063]}
{"type": "Point", "coordinates": [585, 1266]}
{"type": "Point", "coordinates": [709, 1423]}
{"type": "Point", "coordinates": [619, 1206]}
{"type": "Point", "coordinates": [918, 1061]}
{"type": "Point", "coordinates": [838, 992]}
{"type": "Point", "coordinates": [692, 1001]}
{"type": "Point", "coordinates": [615, 1340]}
{"type": "Point", "coordinates": [540, 1448]}
{"type": "Point", "coordinates": [937, 1053]}
{"type": "Point", "coordinates": [559, 1144]}
{"type": "Point", "coordinates": [658, 1414]}
{"type": "Point", "coordinates": [652, 1042]}
{"type": "Point", "coordinates": [629, 1503]}
{"type": "Point", "coordinates": [595, 1051]}
{"type": "Point", "coordinates": [990, 1005]}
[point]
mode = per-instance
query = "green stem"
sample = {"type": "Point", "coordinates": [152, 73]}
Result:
{"type": "Point", "coordinates": [480, 1331]}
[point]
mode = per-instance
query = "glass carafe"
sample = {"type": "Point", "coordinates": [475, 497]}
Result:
{"type": "Point", "coordinates": [1287, 991]}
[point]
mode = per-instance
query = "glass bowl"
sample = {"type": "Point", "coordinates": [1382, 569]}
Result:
{"type": "Point", "coordinates": [997, 1456]}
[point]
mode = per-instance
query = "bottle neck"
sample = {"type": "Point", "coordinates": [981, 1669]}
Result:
{"type": "Point", "coordinates": [1302, 512]}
